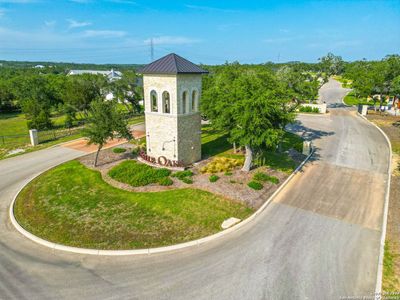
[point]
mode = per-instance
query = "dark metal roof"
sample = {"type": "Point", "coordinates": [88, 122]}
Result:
{"type": "Point", "coordinates": [172, 64]}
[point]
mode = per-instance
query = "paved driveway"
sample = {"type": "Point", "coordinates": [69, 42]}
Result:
{"type": "Point", "coordinates": [318, 240]}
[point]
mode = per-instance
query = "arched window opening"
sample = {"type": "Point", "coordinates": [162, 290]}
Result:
{"type": "Point", "coordinates": [184, 102]}
{"type": "Point", "coordinates": [166, 103]}
{"type": "Point", "coordinates": [154, 101]}
{"type": "Point", "coordinates": [194, 101]}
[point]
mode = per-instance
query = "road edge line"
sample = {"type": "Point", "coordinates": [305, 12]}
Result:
{"type": "Point", "coordinates": [379, 275]}
{"type": "Point", "coordinates": [55, 246]}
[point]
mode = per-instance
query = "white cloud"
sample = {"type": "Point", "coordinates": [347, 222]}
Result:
{"type": "Point", "coordinates": [210, 8]}
{"type": "Point", "coordinates": [172, 40]}
{"type": "Point", "coordinates": [50, 23]}
{"type": "Point", "coordinates": [104, 33]}
{"type": "Point", "coordinates": [77, 24]}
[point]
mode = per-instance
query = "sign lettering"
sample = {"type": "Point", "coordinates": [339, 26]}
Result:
{"type": "Point", "coordinates": [162, 161]}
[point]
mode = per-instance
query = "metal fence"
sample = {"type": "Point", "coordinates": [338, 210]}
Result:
{"type": "Point", "coordinates": [11, 141]}
{"type": "Point", "coordinates": [14, 140]}
{"type": "Point", "coordinates": [51, 135]}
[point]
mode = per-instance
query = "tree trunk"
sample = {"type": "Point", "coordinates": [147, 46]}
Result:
{"type": "Point", "coordinates": [97, 155]}
{"type": "Point", "coordinates": [249, 159]}
{"type": "Point", "coordinates": [234, 148]}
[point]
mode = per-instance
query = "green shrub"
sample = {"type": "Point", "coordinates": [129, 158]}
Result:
{"type": "Point", "coordinates": [135, 151]}
{"type": "Point", "coordinates": [187, 180]}
{"type": "Point", "coordinates": [119, 150]}
{"type": "Point", "coordinates": [265, 177]}
{"type": "Point", "coordinates": [165, 181]}
{"type": "Point", "coordinates": [213, 178]}
{"type": "Point", "coordinates": [309, 109]}
{"type": "Point", "coordinates": [182, 174]}
{"type": "Point", "coordinates": [228, 173]}
{"type": "Point", "coordinates": [255, 185]}
{"type": "Point", "coordinates": [232, 181]}
{"type": "Point", "coordinates": [137, 174]}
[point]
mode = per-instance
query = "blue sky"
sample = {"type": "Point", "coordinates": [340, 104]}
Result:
{"type": "Point", "coordinates": [212, 32]}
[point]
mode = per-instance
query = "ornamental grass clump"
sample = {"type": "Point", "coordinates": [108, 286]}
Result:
{"type": "Point", "coordinates": [137, 174]}
{"type": "Point", "coordinates": [221, 164]}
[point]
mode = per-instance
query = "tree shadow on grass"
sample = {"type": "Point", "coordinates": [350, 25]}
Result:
{"type": "Point", "coordinates": [215, 146]}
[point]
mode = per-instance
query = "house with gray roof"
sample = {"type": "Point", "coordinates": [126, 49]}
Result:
{"type": "Point", "coordinates": [111, 75]}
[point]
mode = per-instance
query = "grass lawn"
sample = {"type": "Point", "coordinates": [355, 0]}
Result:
{"type": "Point", "coordinates": [390, 282]}
{"type": "Point", "coordinates": [15, 123]}
{"type": "Point", "coordinates": [136, 120]}
{"type": "Point", "coordinates": [351, 99]}
{"type": "Point", "coordinates": [12, 124]}
{"type": "Point", "coordinates": [72, 205]}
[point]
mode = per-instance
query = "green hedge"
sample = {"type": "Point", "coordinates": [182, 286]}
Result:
{"type": "Point", "coordinates": [309, 109]}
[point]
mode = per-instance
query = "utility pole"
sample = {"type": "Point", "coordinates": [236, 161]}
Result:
{"type": "Point", "coordinates": [151, 49]}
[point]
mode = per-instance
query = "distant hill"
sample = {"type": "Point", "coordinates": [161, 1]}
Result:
{"type": "Point", "coordinates": [68, 66]}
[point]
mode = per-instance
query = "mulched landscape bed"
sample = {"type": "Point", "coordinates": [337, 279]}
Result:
{"type": "Point", "coordinates": [232, 186]}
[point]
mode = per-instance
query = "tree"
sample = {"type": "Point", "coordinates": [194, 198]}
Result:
{"type": "Point", "coordinates": [126, 89]}
{"type": "Point", "coordinates": [252, 106]}
{"type": "Point", "coordinates": [81, 90]}
{"type": "Point", "coordinates": [35, 99]}
{"type": "Point", "coordinates": [301, 85]}
{"type": "Point", "coordinates": [395, 86]}
{"type": "Point", "coordinates": [7, 97]}
{"type": "Point", "coordinates": [105, 122]}
{"type": "Point", "coordinates": [331, 64]}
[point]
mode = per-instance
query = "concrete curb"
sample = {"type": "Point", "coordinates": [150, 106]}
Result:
{"type": "Point", "coordinates": [378, 287]}
{"type": "Point", "coordinates": [148, 251]}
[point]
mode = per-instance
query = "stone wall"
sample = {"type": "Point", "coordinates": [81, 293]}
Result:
{"type": "Point", "coordinates": [189, 138]}
{"type": "Point", "coordinates": [160, 83]}
{"type": "Point", "coordinates": [176, 136]}
{"type": "Point", "coordinates": [189, 83]}
{"type": "Point", "coordinates": [161, 130]}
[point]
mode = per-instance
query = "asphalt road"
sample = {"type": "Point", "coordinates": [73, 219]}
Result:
{"type": "Point", "coordinates": [318, 240]}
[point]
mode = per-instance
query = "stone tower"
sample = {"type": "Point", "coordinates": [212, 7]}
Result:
{"type": "Point", "coordinates": [172, 90]}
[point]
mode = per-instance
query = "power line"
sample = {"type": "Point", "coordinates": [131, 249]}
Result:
{"type": "Point", "coordinates": [151, 49]}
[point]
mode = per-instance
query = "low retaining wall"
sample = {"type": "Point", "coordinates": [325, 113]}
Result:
{"type": "Point", "coordinates": [321, 107]}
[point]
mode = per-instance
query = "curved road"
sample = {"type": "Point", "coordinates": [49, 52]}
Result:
{"type": "Point", "coordinates": [318, 240]}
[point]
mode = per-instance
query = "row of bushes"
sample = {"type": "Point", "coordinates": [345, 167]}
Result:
{"type": "Point", "coordinates": [309, 109]}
